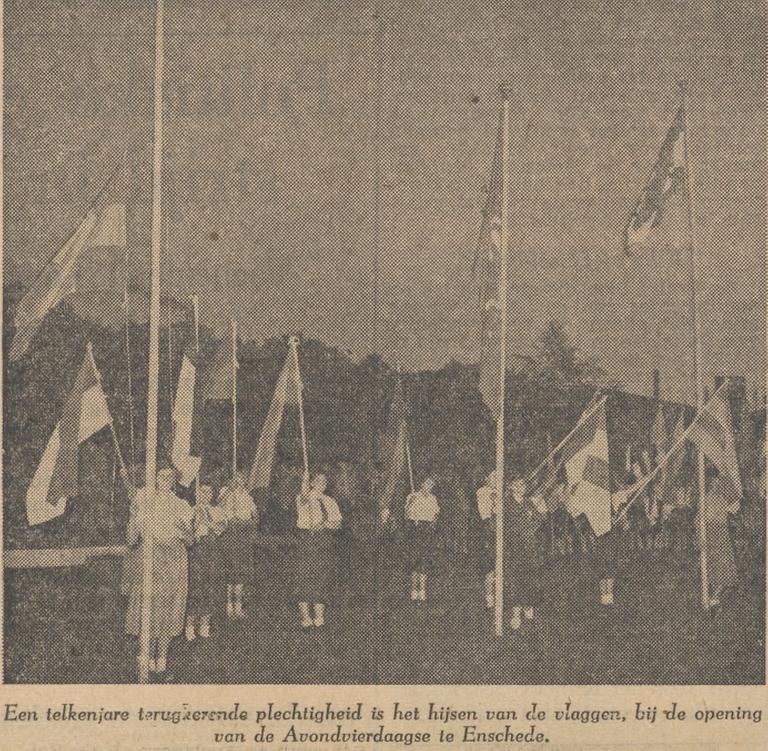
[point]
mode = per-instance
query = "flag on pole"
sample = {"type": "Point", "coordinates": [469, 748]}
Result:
{"type": "Point", "coordinates": [487, 269]}
{"type": "Point", "coordinates": [393, 451]}
{"type": "Point", "coordinates": [286, 394]}
{"type": "Point", "coordinates": [186, 413]}
{"type": "Point", "coordinates": [663, 441]}
{"type": "Point", "coordinates": [73, 270]}
{"type": "Point", "coordinates": [85, 413]}
{"type": "Point", "coordinates": [712, 433]}
{"type": "Point", "coordinates": [667, 178]}
{"type": "Point", "coordinates": [583, 460]}
{"type": "Point", "coordinates": [222, 372]}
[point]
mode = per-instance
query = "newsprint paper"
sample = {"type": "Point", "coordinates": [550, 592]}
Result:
{"type": "Point", "coordinates": [384, 374]}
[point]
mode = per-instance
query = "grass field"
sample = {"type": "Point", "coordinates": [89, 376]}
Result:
{"type": "Point", "coordinates": [66, 625]}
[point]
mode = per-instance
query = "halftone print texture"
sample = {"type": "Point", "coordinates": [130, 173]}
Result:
{"type": "Point", "coordinates": [333, 172]}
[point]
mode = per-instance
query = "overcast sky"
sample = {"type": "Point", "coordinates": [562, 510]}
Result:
{"type": "Point", "coordinates": [268, 169]}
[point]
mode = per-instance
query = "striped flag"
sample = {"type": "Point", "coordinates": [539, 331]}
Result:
{"type": "Point", "coordinates": [487, 270]}
{"type": "Point", "coordinates": [186, 411]}
{"type": "Point", "coordinates": [583, 462]}
{"type": "Point", "coordinates": [667, 178]}
{"type": "Point", "coordinates": [73, 270]}
{"type": "Point", "coordinates": [85, 413]}
{"type": "Point", "coordinates": [286, 394]}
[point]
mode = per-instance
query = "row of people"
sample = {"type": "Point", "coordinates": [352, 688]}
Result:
{"type": "Point", "coordinates": [220, 538]}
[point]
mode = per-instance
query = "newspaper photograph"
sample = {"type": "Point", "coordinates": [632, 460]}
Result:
{"type": "Point", "coordinates": [384, 374]}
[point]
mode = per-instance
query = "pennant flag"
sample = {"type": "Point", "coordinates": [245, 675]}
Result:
{"type": "Point", "coordinates": [56, 478]}
{"type": "Point", "coordinates": [185, 413]}
{"type": "Point", "coordinates": [220, 378]}
{"type": "Point", "coordinates": [73, 270]}
{"type": "Point", "coordinates": [487, 269]}
{"type": "Point", "coordinates": [667, 178]}
{"type": "Point", "coordinates": [583, 458]}
{"type": "Point", "coordinates": [712, 433]}
{"type": "Point", "coordinates": [286, 394]}
{"type": "Point", "coordinates": [393, 451]}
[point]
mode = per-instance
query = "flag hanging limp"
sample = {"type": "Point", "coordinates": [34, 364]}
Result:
{"type": "Point", "coordinates": [394, 453]}
{"type": "Point", "coordinates": [56, 478]}
{"type": "Point", "coordinates": [184, 415]}
{"type": "Point", "coordinates": [667, 178]}
{"type": "Point", "coordinates": [487, 268]}
{"type": "Point", "coordinates": [286, 394]}
{"type": "Point", "coordinates": [220, 377]}
{"type": "Point", "coordinates": [71, 271]}
{"type": "Point", "coordinates": [712, 434]}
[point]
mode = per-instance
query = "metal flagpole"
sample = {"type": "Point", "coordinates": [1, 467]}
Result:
{"type": "Point", "coordinates": [196, 323]}
{"type": "Point", "coordinates": [234, 397]}
{"type": "Point", "coordinates": [154, 349]}
{"type": "Point", "coordinates": [170, 362]}
{"type": "Point", "coordinates": [696, 332]}
{"type": "Point", "coordinates": [294, 344]}
{"type": "Point", "coordinates": [499, 610]}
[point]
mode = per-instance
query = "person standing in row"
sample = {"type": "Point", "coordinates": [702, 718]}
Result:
{"type": "Point", "coordinates": [522, 554]}
{"type": "Point", "coordinates": [204, 562]}
{"type": "Point", "coordinates": [168, 521]}
{"type": "Point", "coordinates": [421, 512]}
{"type": "Point", "coordinates": [315, 565]}
{"type": "Point", "coordinates": [486, 508]}
{"type": "Point", "coordinates": [237, 541]}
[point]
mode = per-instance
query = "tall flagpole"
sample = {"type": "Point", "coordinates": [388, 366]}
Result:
{"type": "Point", "coordinates": [504, 242]}
{"type": "Point", "coordinates": [234, 397]}
{"type": "Point", "coordinates": [154, 348]}
{"type": "Point", "coordinates": [196, 323]}
{"type": "Point", "coordinates": [697, 364]}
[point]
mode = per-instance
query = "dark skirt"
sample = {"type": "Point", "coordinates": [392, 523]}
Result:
{"type": "Point", "coordinates": [487, 558]}
{"type": "Point", "coordinates": [205, 579]}
{"type": "Point", "coordinates": [237, 546]}
{"type": "Point", "coordinates": [523, 581]}
{"type": "Point", "coordinates": [420, 546]}
{"type": "Point", "coordinates": [603, 556]}
{"type": "Point", "coordinates": [315, 566]}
